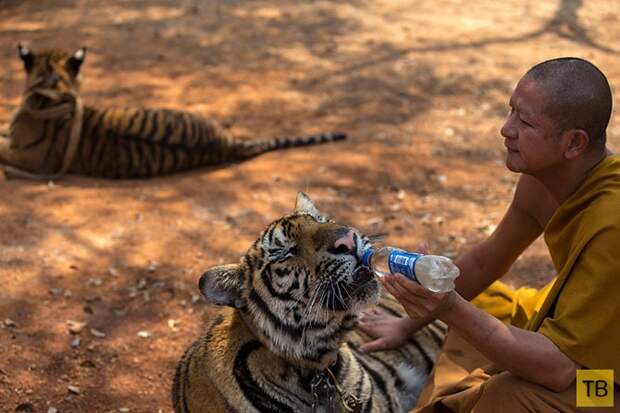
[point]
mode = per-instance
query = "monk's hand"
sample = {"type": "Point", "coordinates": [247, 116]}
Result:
{"type": "Point", "coordinates": [417, 300]}
{"type": "Point", "coordinates": [389, 332]}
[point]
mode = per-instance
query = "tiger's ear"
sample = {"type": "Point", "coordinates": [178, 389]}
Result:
{"type": "Point", "coordinates": [26, 55]}
{"type": "Point", "coordinates": [76, 60]}
{"type": "Point", "coordinates": [222, 285]}
{"type": "Point", "coordinates": [305, 205]}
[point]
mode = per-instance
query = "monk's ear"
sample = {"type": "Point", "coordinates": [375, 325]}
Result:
{"type": "Point", "coordinates": [222, 285]}
{"type": "Point", "coordinates": [577, 143]}
{"type": "Point", "coordinates": [27, 56]}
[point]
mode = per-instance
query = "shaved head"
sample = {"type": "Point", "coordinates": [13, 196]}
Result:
{"type": "Point", "coordinates": [579, 96]}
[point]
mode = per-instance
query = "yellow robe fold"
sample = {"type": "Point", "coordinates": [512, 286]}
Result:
{"type": "Point", "coordinates": [579, 310]}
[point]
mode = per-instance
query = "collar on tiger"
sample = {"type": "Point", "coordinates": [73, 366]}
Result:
{"type": "Point", "coordinates": [326, 391]}
{"type": "Point", "coordinates": [325, 388]}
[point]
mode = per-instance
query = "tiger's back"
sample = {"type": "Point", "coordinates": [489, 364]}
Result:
{"type": "Point", "coordinates": [290, 340]}
{"type": "Point", "coordinates": [115, 142]}
{"type": "Point", "coordinates": [127, 143]}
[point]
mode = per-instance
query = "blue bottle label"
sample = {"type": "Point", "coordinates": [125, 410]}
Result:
{"type": "Point", "coordinates": [404, 263]}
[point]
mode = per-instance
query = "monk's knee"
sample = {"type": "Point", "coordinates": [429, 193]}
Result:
{"type": "Point", "coordinates": [508, 393]}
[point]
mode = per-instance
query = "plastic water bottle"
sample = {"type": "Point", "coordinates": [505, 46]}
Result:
{"type": "Point", "coordinates": [434, 272]}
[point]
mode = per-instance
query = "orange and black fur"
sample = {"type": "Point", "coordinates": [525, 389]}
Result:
{"type": "Point", "coordinates": [114, 142]}
{"type": "Point", "coordinates": [286, 340]}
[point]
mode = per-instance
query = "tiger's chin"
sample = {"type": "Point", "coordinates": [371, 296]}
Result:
{"type": "Point", "coordinates": [366, 289]}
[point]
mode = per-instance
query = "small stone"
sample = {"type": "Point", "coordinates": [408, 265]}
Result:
{"type": "Point", "coordinates": [153, 266]}
{"type": "Point", "coordinates": [173, 324]}
{"type": "Point", "coordinates": [9, 323]}
{"type": "Point", "coordinates": [141, 284]}
{"type": "Point", "coordinates": [95, 282]}
{"type": "Point", "coordinates": [97, 333]}
{"type": "Point", "coordinates": [119, 312]}
{"type": "Point", "coordinates": [75, 327]}
{"type": "Point", "coordinates": [75, 342]}
{"type": "Point", "coordinates": [113, 271]}
{"type": "Point", "coordinates": [123, 410]}
{"type": "Point", "coordinates": [159, 284]}
{"type": "Point", "coordinates": [374, 221]}
{"type": "Point", "coordinates": [401, 194]}
{"type": "Point", "coordinates": [52, 410]}
{"type": "Point", "coordinates": [147, 296]}
{"type": "Point", "coordinates": [74, 389]}
{"type": "Point", "coordinates": [426, 219]}
{"type": "Point", "coordinates": [57, 291]}
{"type": "Point", "coordinates": [195, 298]}
{"type": "Point", "coordinates": [144, 334]}
{"type": "Point", "coordinates": [50, 184]}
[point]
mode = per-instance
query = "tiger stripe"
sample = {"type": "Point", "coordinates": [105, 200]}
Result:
{"type": "Point", "coordinates": [290, 319]}
{"type": "Point", "coordinates": [115, 142]}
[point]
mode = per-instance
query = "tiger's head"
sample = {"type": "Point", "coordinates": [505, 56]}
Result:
{"type": "Point", "coordinates": [300, 286]}
{"type": "Point", "coordinates": [51, 70]}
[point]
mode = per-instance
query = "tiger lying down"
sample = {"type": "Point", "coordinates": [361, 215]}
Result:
{"type": "Point", "coordinates": [287, 340]}
{"type": "Point", "coordinates": [52, 133]}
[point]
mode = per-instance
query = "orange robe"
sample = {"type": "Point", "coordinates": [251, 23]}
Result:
{"type": "Point", "coordinates": [579, 311]}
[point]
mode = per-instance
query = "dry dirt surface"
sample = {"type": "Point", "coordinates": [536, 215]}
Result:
{"type": "Point", "coordinates": [421, 88]}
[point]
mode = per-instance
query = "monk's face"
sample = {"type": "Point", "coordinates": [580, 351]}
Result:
{"type": "Point", "coordinates": [531, 136]}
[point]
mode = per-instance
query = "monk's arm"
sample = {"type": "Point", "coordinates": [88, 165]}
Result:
{"type": "Point", "coordinates": [526, 354]}
{"type": "Point", "coordinates": [488, 260]}
{"type": "Point", "coordinates": [479, 267]}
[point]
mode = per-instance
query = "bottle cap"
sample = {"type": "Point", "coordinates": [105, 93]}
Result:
{"type": "Point", "coordinates": [366, 254]}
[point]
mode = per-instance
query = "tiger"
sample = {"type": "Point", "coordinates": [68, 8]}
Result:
{"type": "Point", "coordinates": [285, 338]}
{"type": "Point", "coordinates": [52, 133]}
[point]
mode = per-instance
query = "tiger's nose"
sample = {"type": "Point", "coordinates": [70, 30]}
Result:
{"type": "Point", "coordinates": [52, 80]}
{"type": "Point", "coordinates": [345, 244]}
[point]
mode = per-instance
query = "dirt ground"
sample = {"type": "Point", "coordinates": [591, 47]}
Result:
{"type": "Point", "coordinates": [421, 88]}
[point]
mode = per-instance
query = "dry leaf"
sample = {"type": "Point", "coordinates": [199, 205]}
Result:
{"type": "Point", "coordinates": [75, 327]}
{"type": "Point", "coordinates": [97, 333]}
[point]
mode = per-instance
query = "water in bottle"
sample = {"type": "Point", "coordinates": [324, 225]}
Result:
{"type": "Point", "coordinates": [434, 272]}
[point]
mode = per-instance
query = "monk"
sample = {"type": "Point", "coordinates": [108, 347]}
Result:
{"type": "Point", "coordinates": [519, 351]}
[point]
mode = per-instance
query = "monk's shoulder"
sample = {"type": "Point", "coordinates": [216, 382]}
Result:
{"type": "Point", "coordinates": [533, 198]}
